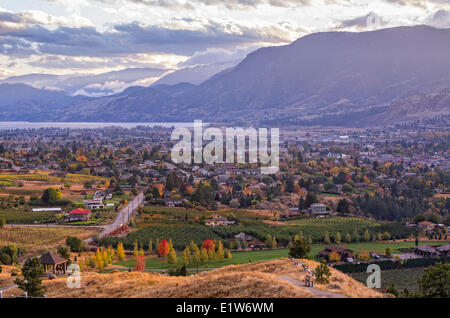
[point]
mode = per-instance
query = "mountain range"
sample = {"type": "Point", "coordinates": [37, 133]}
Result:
{"type": "Point", "coordinates": [332, 78]}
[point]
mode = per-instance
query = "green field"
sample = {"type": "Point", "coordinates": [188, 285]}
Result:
{"type": "Point", "coordinates": [401, 278]}
{"type": "Point", "coordinates": [178, 226]}
{"type": "Point", "coordinates": [21, 217]}
{"type": "Point", "coordinates": [245, 257]}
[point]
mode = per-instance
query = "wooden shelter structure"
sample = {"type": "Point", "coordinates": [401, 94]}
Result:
{"type": "Point", "coordinates": [56, 262]}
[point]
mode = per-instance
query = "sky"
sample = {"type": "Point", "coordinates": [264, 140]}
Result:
{"type": "Point", "coordinates": [97, 36]}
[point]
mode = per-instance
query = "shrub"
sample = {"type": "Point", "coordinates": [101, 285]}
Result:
{"type": "Point", "coordinates": [323, 273]}
{"type": "Point", "coordinates": [5, 259]}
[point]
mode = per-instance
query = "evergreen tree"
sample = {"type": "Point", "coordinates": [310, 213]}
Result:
{"type": "Point", "coordinates": [323, 273]}
{"type": "Point", "coordinates": [32, 272]}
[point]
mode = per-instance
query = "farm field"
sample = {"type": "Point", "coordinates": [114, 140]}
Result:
{"type": "Point", "coordinates": [40, 237]}
{"type": "Point", "coordinates": [401, 278]}
{"type": "Point", "coordinates": [244, 257]}
{"type": "Point", "coordinates": [22, 217]}
{"type": "Point", "coordinates": [172, 224]}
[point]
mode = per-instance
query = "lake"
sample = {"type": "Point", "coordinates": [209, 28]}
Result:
{"type": "Point", "coordinates": [83, 125]}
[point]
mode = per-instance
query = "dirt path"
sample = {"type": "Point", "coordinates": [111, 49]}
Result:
{"type": "Point", "coordinates": [316, 292]}
{"type": "Point", "coordinates": [3, 289]}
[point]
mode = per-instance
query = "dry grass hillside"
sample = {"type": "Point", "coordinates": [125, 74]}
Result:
{"type": "Point", "coordinates": [278, 278]}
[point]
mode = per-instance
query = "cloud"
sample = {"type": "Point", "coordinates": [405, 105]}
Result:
{"type": "Point", "coordinates": [440, 19]}
{"type": "Point", "coordinates": [214, 55]}
{"type": "Point", "coordinates": [65, 62]}
{"type": "Point", "coordinates": [365, 22]}
{"type": "Point", "coordinates": [229, 4]}
{"type": "Point", "coordinates": [176, 37]}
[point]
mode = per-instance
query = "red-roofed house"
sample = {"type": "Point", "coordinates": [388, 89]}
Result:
{"type": "Point", "coordinates": [79, 215]}
{"type": "Point", "coordinates": [426, 225]}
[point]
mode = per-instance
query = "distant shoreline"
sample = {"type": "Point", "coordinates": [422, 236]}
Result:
{"type": "Point", "coordinates": [5, 125]}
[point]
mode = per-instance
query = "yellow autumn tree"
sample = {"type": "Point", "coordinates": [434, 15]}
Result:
{"type": "Point", "coordinates": [120, 251]}
{"type": "Point", "coordinates": [334, 256]}
{"type": "Point", "coordinates": [172, 257]}
{"type": "Point", "coordinates": [99, 259]}
{"type": "Point", "coordinates": [220, 252]}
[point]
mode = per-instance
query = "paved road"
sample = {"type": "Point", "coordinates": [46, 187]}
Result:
{"type": "Point", "coordinates": [122, 217]}
{"type": "Point", "coordinates": [317, 293]}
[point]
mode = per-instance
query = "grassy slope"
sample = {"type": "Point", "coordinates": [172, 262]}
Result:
{"type": "Point", "coordinates": [258, 280]}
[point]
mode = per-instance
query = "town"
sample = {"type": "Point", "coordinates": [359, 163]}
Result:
{"type": "Point", "coordinates": [111, 199]}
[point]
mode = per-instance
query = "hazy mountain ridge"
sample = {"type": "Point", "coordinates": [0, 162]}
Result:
{"type": "Point", "coordinates": [333, 78]}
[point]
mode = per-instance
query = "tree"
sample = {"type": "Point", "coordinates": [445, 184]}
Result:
{"type": "Point", "coordinates": [32, 272]}
{"type": "Point", "coordinates": [419, 218]}
{"type": "Point", "coordinates": [366, 235]}
{"type": "Point", "coordinates": [150, 246]}
{"type": "Point", "coordinates": [163, 248]}
{"type": "Point", "coordinates": [323, 273]}
{"type": "Point", "coordinates": [343, 206]}
{"type": "Point", "coordinates": [2, 222]}
{"type": "Point", "coordinates": [209, 246]}
{"type": "Point", "coordinates": [220, 251]}
{"type": "Point", "coordinates": [268, 241]}
{"type": "Point", "coordinates": [300, 248]}
{"type": "Point", "coordinates": [392, 290]}
{"type": "Point", "coordinates": [348, 238]}
{"type": "Point", "coordinates": [388, 252]}
{"type": "Point", "coordinates": [337, 238]}
{"type": "Point", "coordinates": [155, 193]}
{"type": "Point", "coordinates": [139, 264]}
{"type": "Point", "coordinates": [334, 256]}
{"type": "Point", "coordinates": [120, 251]}
{"type": "Point", "coordinates": [75, 244]}
{"type": "Point", "coordinates": [186, 256]}
{"type": "Point", "coordinates": [172, 256]}
{"type": "Point", "coordinates": [434, 218]}
{"type": "Point", "coordinates": [99, 259]}
{"type": "Point", "coordinates": [64, 251]}
{"type": "Point", "coordinates": [51, 195]}
{"type": "Point", "coordinates": [435, 282]}
{"type": "Point", "coordinates": [274, 242]}
{"type": "Point", "coordinates": [204, 255]}
{"type": "Point", "coordinates": [326, 238]}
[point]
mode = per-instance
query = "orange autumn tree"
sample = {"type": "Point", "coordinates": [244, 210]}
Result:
{"type": "Point", "coordinates": [163, 248]}
{"type": "Point", "coordinates": [139, 265]}
{"type": "Point", "coordinates": [208, 245]}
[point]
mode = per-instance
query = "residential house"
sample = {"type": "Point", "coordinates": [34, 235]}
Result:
{"type": "Point", "coordinates": [343, 253]}
{"type": "Point", "coordinates": [318, 209]}
{"type": "Point", "coordinates": [94, 204]}
{"type": "Point", "coordinates": [79, 215]}
{"type": "Point", "coordinates": [426, 225]}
